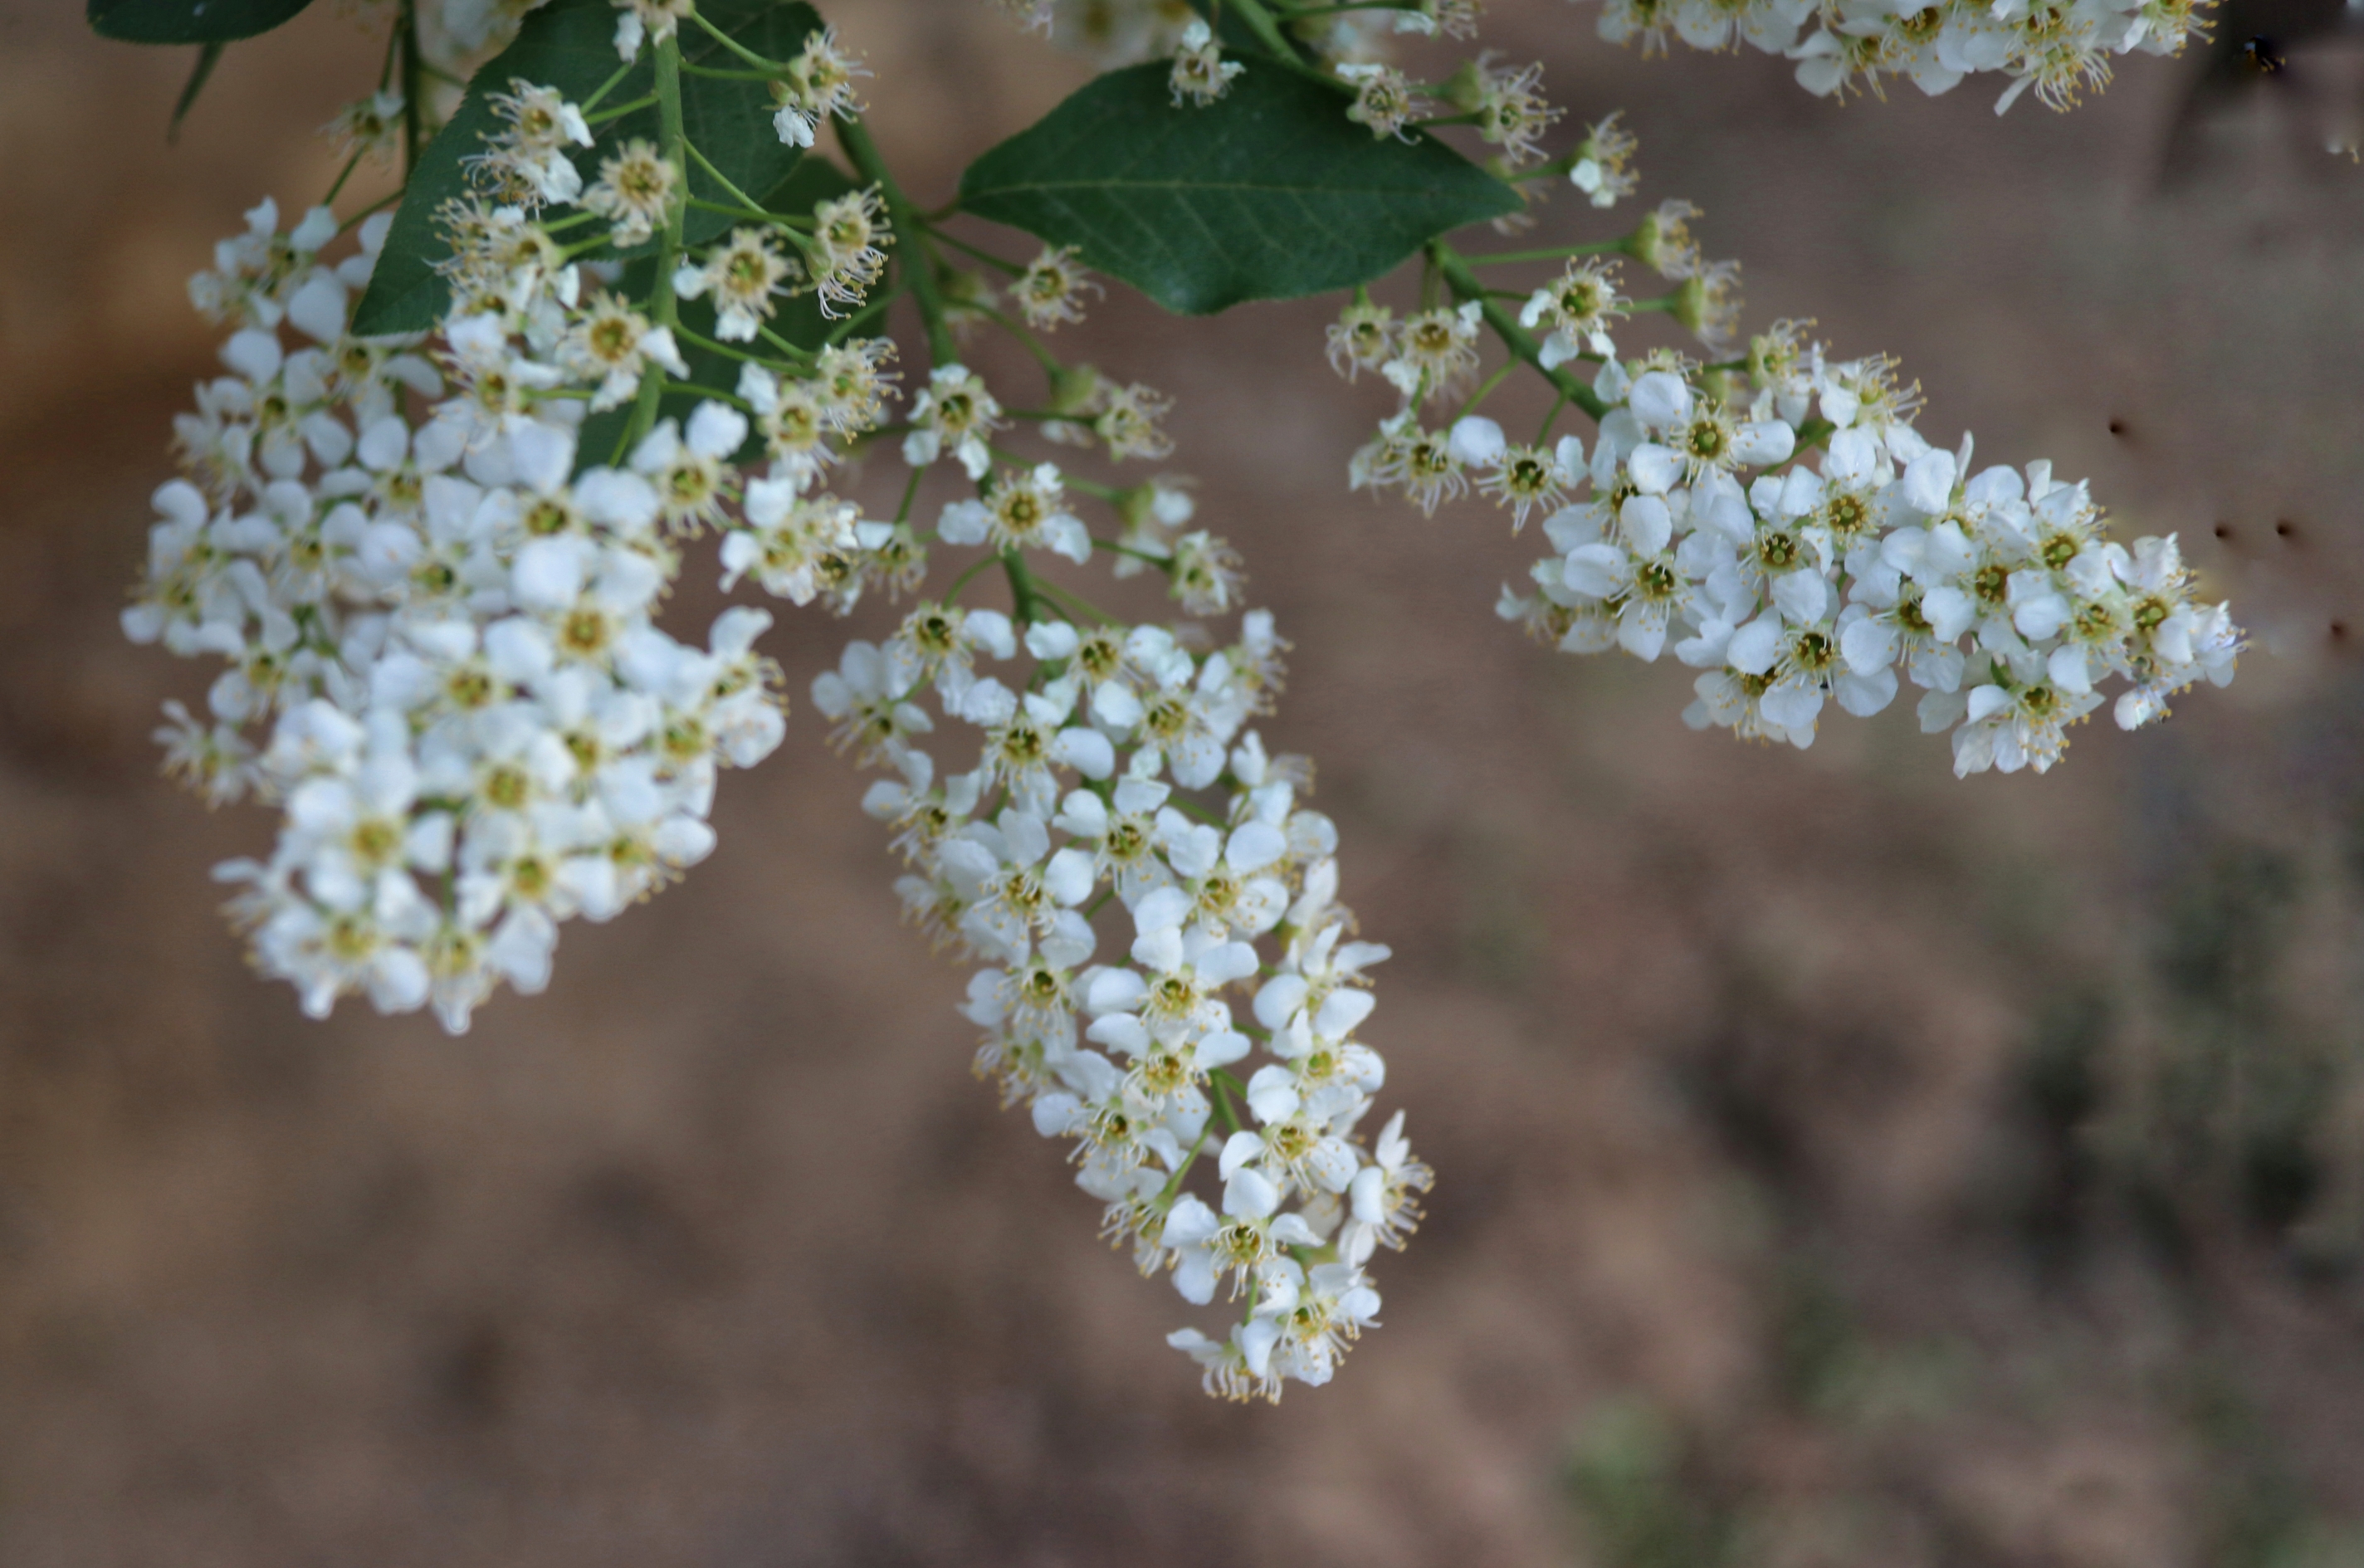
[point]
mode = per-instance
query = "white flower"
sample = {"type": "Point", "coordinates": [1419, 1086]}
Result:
{"type": "Point", "coordinates": [954, 413]}
{"type": "Point", "coordinates": [744, 274]}
{"type": "Point", "coordinates": [819, 83]}
{"type": "Point", "coordinates": [871, 717]}
{"type": "Point", "coordinates": [1021, 511]}
{"type": "Point", "coordinates": [1200, 74]}
{"type": "Point", "coordinates": [790, 539]}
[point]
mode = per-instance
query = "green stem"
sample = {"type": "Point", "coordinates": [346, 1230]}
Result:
{"type": "Point", "coordinates": [963, 580]}
{"type": "Point", "coordinates": [1551, 417]}
{"type": "Point", "coordinates": [1073, 481]}
{"type": "Point", "coordinates": [342, 176]}
{"type": "Point", "coordinates": [753, 206]}
{"type": "Point", "coordinates": [1451, 266]}
{"type": "Point", "coordinates": [987, 257]}
{"type": "Point", "coordinates": [757, 215]}
{"type": "Point", "coordinates": [910, 493]}
{"type": "Point", "coordinates": [1266, 29]}
{"type": "Point", "coordinates": [721, 75]}
{"type": "Point", "coordinates": [591, 103]}
{"type": "Point", "coordinates": [1173, 1187]}
{"type": "Point", "coordinates": [794, 350]}
{"type": "Point", "coordinates": [876, 307]}
{"type": "Point", "coordinates": [386, 200]}
{"type": "Point", "coordinates": [1033, 345]}
{"type": "Point", "coordinates": [1555, 170]}
{"type": "Point", "coordinates": [727, 350]}
{"type": "Point", "coordinates": [918, 264]}
{"type": "Point", "coordinates": [1023, 591]}
{"type": "Point", "coordinates": [1222, 1083]}
{"type": "Point", "coordinates": [393, 53]}
{"type": "Point", "coordinates": [663, 309]}
{"type": "Point", "coordinates": [770, 67]}
{"type": "Point", "coordinates": [1074, 601]}
{"type": "Point", "coordinates": [1556, 253]}
{"type": "Point", "coordinates": [617, 111]}
{"type": "Point", "coordinates": [1192, 808]}
{"type": "Point", "coordinates": [1091, 488]}
{"type": "Point", "coordinates": [1161, 562]}
{"type": "Point", "coordinates": [1485, 389]}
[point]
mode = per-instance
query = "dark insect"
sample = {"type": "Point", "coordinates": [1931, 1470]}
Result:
{"type": "Point", "coordinates": [2265, 47]}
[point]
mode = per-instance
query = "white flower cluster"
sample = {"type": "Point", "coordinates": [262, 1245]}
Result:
{"type": "Point", "coordinates": [819, 83]}
{"type": "Point", "coordinates": [1433, 355]}
{"type": "Point", "coordinates": [2056, 47]}
{"type": "Point", "coordinates": [1995, 591]}
{"type": "Point", "coordinates": [1115, 767]}
{"type": "Point", "coordinates": [1200, 74]}
{"type": "Point", "coordinates": [432, 563]}
{"type": "Point", "coordinates": [441, 656]}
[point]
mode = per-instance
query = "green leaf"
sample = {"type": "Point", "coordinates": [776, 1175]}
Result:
{"type": "Point", "coordinates": [570, 45]}
{"type": "Point", "coordinates": [1268, 193]}
{"type": "Point", "coordinates": [814, 179]}
{"type": "Point", "coordinates": [188, 21]}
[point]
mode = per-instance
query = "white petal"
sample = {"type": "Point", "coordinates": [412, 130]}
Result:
{"type": "Point", "coordinates": [1248, 1193]}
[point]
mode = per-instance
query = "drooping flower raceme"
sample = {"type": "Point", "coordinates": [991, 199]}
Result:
{"type": "Point", "coordinates": [437, 612]}
{"type": "Point", "coordinates": [1995, 591]}
{"type": "Point", "coordinates": [440, 657]}
{"type": "Point", "coordinates": [1085, 811]}
{"type": "Point", "coordinates": [1798, 571]}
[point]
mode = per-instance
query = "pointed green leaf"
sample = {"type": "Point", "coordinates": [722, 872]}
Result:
{"type": "Point", "coordinates": [570, 45]}
{"type": "Point", "coordinates": [1268, 193]}
{"type": "Point", "coordinates": [188, 21]}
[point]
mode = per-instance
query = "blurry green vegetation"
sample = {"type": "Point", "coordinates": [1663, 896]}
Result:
{"type": "Point", "coordinates": [2233, 1099]}
{"type": "Point", "coordinates": [2255, 1512]}
{"type": "Point", "coordinates": [2197, 1101]}
{"type": "Point", "coordinates": [2186, 1125]}
{"type": "Point", "coordinates": [1643, 1505]}
{"type": "Point", "coordinates": [1652, 1493]}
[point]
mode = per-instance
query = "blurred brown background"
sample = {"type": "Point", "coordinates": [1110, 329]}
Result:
{"type": "Point", "coordinates": [1839, 1164]}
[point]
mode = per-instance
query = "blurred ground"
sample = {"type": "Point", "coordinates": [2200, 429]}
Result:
{"type": "Point", "coordinates": [1839, 1164]}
